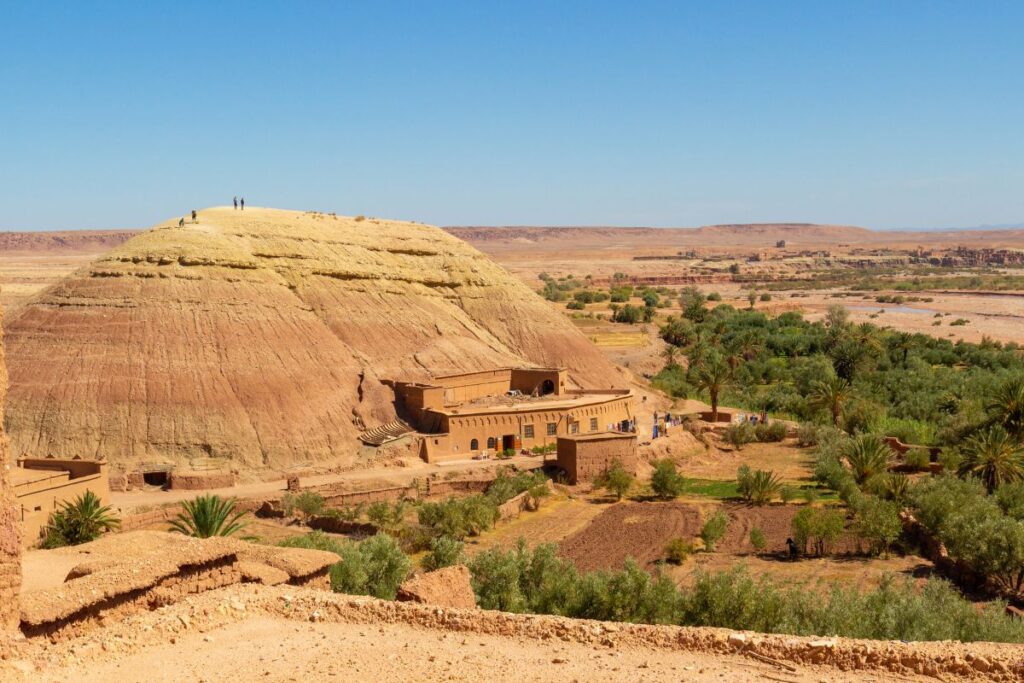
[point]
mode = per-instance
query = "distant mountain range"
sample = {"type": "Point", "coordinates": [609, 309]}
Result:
{"type": "Point", "coordinates": [1000, 226]}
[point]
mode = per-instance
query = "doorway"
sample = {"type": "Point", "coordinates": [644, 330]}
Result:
{"type": "Point", "coordinates": [508, 442]}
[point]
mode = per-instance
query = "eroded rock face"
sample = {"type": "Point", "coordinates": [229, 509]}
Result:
{"type": "Point", "coordinates": [448, 587]}
{"type": "Point", "coordinates": [262, 336]}
{"type": "Point", "coordinates": [10, 526]}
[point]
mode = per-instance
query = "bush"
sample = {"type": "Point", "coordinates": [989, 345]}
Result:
{"type": "Point", "coordinates": [459, 517]}
{"type": "Point", "coordinates": [445, 551]}
{"type": "Point", "coordinates": [376, 566]}
{"type": "Point", "coordinates": [817, 528]}
{"type": "Point", "coordinates": [79, 521]}
{"type": "Point", "coordinates": [678, 550]}
{"type": "Point", "coordinates": [387, 517]}
{"type": "Point", "coordinates": [738, 435]}
{"type": "Point", "coordinates": [765, 296]}
{"type": "Point", "coordinates": [810, 496]}
{"type": "Point", "coordinates": [770, 432]}
{"type": "Point", "coordinates": [309, 503]}
{"type": "Point", "coordinates": [713, 530]}
{"type": "Point", "coordinates": [616, 480]}
{"type": "Point", "coordinates": [758, 540]}
{"type": "Point", "coordinates": [666, 482]}
{"type": "Point", "coordinates": [917, 459]}
{"type": "Point", "coordinates": [877, 521]}
{"type": "Point", "coordinates": [788, 494]}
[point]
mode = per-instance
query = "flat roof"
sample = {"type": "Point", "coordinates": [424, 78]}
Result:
{"type": "Point", "coordinates": [598, 436]}
{"type": "Point", "coordinates": [529, 404]}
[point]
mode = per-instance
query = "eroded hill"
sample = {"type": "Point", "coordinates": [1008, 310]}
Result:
{"type": "Point", "coordinates": [262, 336]}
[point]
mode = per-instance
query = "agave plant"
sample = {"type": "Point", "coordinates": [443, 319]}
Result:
{"type": "Point", "coordinates": [208, 516]}
{"type": "Point", "coordinates": [867, 456]}
{"type": "Point", "coordinates": [895, 487]}
{"type": "Point", "coordinates": [79, 521]}
{"type": "Point", "coordinates": [994, 457]}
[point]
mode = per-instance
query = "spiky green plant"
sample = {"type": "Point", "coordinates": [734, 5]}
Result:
{"type": "Point", "coordinates": [79, 521]}
{"type": "Point", "coordinates": [208, 516]}
{"type": "Point", "coordinates": [831, 395]}
{"type": "Point", "coordinates": [1005, 406]}
{"type": "Point", "coordinates": [867, 455]}
{"type": "Point", "coordinates": [993, 456]}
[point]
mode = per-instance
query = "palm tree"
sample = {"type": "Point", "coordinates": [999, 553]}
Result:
{"type": "Point", "coordinates": [79, 521]}
{"type": "Point", "coordinates": [994, 457]}
{"type": "Point", "coordinates": [713, 376]}
{"type": "Point", "coordinates": [902, 343]}
{"type": "Point", "coordinates": [831, 395]}
{"type": "Point", "coordinates": [669, 354]}
{"type": "Point", "coordinates": [208, 516]}
{"type": "Point", "coordinates": [867, 456]}
{"type": "Point", "coordinates": [866, 335]}
{"type": "Point", "coordinates": [1005, 406]}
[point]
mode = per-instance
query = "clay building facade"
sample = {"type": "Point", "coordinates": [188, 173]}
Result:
{"type": "Point", "coordinates": [465, 416]}
{"type": "Point", "coordinates": [584, 457]}
{"type": "Point", "coordinates": [41, 485]}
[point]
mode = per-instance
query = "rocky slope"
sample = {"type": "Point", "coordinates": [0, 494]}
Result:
{"type": "Point", "coordinates": [262, 336]}
{"type": "Point", "coordinates": [63, 241]}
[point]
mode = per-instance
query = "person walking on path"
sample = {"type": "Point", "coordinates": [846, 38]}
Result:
{"type": "Point", "coordinates": [242, 202]}
{"type": "Point", "coordinates": [181, 222]}
{"type": "Point", "coordinates": [236, 202]}
{"type": "Point", "coordinates": [193, 215]}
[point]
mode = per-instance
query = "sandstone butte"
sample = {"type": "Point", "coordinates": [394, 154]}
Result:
{"type": "Point", "coordinates": [262, 337]}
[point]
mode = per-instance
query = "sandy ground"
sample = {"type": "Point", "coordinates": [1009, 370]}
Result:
{"type": "Point", "coordinates": [245, 633]}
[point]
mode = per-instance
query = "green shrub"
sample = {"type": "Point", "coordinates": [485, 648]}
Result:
{"type": "Point", "coordinates": [666, 481]}
{"type": "Point", "coordinates": [445, 551]}
{"type": "Point", "coordinates": [376, 566]}
{"type": "Point", "coordinates": [79, 521]}
{"type": "Point", "coordinates": [810, 495]}
{"type": "Point", "coordinates": [758, 540]}
{"type": "Point", "coordinates": [309, 503]}
{"type": "Point", "coordinates": [877, 521]}
{"type": "Point", "coordinates": [616, 480]}
{"type": "Point", "coordinates": [738, 435]}
{"type": "Point", "coordinates": [772, 432]}
{"type": "Point", "coordinates": [917, 459]}
{"type": "Point", "coordinates": [459, 517]}
{"type": "Point", "coordinates": [788, 494]}
{"type": "Point", "coordinates": [713, 530]}
{"type": "Point", "coordinates": [315, 540]}
{"type": "Point", "coordinates": [678, 550]}
{"type": "Point", "coordinates": [817, 529]}
{"type": "Point", "coordinates": [387, 517]}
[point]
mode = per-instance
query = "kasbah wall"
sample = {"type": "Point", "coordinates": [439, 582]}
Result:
{"type": "Point", "coordinates": [585, 458]}
{"type": "Point", "coordinates": [10, 523]}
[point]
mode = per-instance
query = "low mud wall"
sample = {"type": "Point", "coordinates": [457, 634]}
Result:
{"type": "Point", "coordinates": [198, 481]}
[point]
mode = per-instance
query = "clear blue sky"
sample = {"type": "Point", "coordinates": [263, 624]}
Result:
{"type": "Point", "coordinates": [887, 114]}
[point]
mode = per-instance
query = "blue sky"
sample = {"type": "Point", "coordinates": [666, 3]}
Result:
{"type": "Point", "coordinates": [887, 114]}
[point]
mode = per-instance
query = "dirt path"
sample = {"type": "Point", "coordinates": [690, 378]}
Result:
{"type": "Point", "coordinates": [387, 476]}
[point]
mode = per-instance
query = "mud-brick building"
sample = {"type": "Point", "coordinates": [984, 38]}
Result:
{"type": "Point", "coordinates": [42, 485]}
{"type": "Point", "coordinates": [584, 457]}
{"type": "Point", "coordinates": [466, 415]}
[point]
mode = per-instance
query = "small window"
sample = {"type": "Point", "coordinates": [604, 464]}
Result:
{"type": "Point", "coordinates": [593, 424]}
{"type": "Point", "coordinates": [552, 428]}
{"type": "Point", "coordinates": [574, 428]}
{"type": "Point", "coordinates": [491, 442]}
{"type": "Point", "coordinates": [474, 445]}
{"type": "Point", "coordinates": [528, 431]}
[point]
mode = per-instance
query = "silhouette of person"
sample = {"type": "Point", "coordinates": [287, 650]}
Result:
{"type": "Point", "coordinates": [193, 215]}
{"type": "Point", "coordinates": [181, 222]}
{"type": "Point", "coordinates": [793, 550]}
{"type": "Point", "coordinates": [242, 202]}
{"type": "Point", "coordinates": [235, 200]}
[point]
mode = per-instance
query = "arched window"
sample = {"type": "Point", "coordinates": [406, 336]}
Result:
{"type": "Point", "coordinates": [490, 442]}
{"type": "Point", "coordinates": [547, 387]}
{"type": "Point", "coordinates": [474, 445]}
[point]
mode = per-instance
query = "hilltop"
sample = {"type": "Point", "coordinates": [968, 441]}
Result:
{"type": "Point", "coordinates": [261, 337]}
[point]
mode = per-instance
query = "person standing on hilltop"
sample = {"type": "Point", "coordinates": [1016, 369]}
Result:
{"type": "Point", "coordinates": [235, 200]}
{"type": "Point", "coordinates": [242, 202]}
{"type": "Point", "coordinates": [193, 215]}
